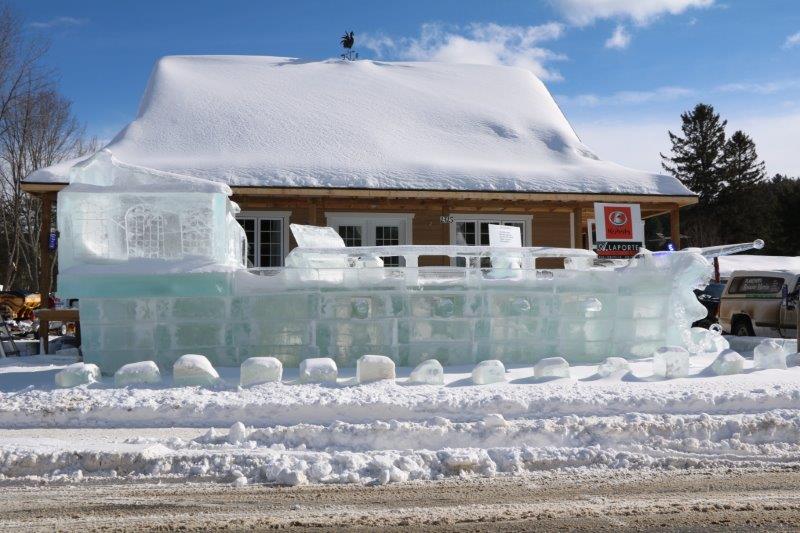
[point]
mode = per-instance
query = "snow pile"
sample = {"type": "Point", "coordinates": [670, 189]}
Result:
{"type": "Point", "coordinates": [255, 121]}
{"type": "Point", "coordinates": [428, 372]}
{"type": "Point", "coordinates": [551, 367]}
{"type": "Point", "coordinates": [728, 362]}
{"type": "Point", "coordinates": [318, 370]}
{"type": "Point", "coordinates": [671, 362]}
{"type": "Point", "coordinates": [374, 368]}
{"type": "Point", "coordinates": [769, 354]}
{"type": "Point", "coordinates": [491, 371]}
{"type": "Point", "coordinates": [141, 373]}
{"type": "Point", "coordinates": [77, 374]}
{"type": "Point", "coordinates": [258, 370]}
{"type": "Point", "coordinates": [193, 369]}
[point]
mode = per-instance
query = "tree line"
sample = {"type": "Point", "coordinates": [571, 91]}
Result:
{"type": "Point", "coordinates": [738, 202]}
{"type": "Point", "coordinates": [37, 129]}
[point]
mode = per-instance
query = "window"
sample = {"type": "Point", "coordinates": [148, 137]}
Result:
{"type": "Point", "coordinates": [267, 237]}
{"type": "Point", "coordinates": [373, 229]}
{"type": "Point", "coordinates": [473, 230]}
{"type": "Point", "coordinates": [756, 285]}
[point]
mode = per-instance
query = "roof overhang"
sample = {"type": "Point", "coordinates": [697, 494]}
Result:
{"type": "Point", "coordinates": [309, 192]}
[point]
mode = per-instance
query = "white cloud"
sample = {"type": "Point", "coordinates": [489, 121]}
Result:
{"type": "Point", "coordinates": [792, 40]}
{"type": "Point", "coordinates": [58, 22]}
{"type": "Point", "coordinates": [661, 94]}
{"type": "Point", "coordinates": [637, 142]}
{"type": "Point", "coordinates": [641, 12]}
{"type": "Point", "coordinates": [477, 43]}
{"type": "Point", "coordinates": [620, 39]}
{"type": "Point", "coordinates": [769, 87]}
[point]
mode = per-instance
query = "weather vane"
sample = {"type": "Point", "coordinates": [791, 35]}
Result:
{"type": "Point", "coordinates": [348, 40]}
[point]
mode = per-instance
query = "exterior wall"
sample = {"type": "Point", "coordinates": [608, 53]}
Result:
{"type": "Point", "coordinates": [549, 227]}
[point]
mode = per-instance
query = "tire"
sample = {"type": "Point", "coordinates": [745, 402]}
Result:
{"type": "Point", "coordinates": [742, 327]}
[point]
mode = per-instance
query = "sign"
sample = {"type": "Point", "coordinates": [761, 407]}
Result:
{"type": "Point", "coordinates": [505, 236]}
{"type": "Point", "coordinates": [617, 249]}
{"type": "Point", "coordinates": [619, 230]}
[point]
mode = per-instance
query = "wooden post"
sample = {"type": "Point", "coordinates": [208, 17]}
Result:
{"type": "Point", "coordinates": [577, 220]}
{"type": "Point", "coordinates": [675, 226]}
{"type": "Point", "coordinates": [45, 255]}
{"type": "Point", "coordinates": [312, 211]}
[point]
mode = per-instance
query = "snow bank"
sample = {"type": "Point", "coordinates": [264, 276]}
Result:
{"type": "Point", "coordinates": [250, 121]}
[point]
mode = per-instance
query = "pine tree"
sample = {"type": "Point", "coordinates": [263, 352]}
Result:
{"type": "Point", "coordinates": [696, 158]}
{"type": "Point", "coordinates": [741, 164]}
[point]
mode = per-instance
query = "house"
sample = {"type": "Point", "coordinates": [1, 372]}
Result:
{"type": "Point", "coordinates": [384, 152]}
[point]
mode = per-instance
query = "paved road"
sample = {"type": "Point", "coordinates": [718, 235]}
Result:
{"type": "Point", "coordinates": [614, 500]}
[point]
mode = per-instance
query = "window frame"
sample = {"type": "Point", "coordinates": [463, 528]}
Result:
{"type": "Point", "coordinates": [368, 221]}
{"type": "Point", "coordinates": [257, 217]}
{"type": "Point", "coordinates": [478, 218]}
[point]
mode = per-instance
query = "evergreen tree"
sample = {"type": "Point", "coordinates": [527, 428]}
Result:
{"type": "Point", "coordinates": [697, 156]}
{"type": "Point", "coordinates": [741, 164]}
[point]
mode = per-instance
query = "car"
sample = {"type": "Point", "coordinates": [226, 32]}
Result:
{"type": "Point", "coordinates": [709, 296]}
{"type": "Point", "coordinates": [760, 302]}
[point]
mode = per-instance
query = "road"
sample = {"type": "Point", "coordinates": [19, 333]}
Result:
{"type": "Point", "coordinates": [604, 500]}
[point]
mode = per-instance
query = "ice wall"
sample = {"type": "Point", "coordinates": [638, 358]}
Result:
{"type": "Point", "coordinates": [457, 316]}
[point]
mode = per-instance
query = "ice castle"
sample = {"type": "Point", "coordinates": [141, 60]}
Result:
{"type": "Point", "coordinates": [151, 246]}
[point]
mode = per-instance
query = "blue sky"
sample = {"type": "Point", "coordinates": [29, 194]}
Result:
{"type": "Point", "coordinates": [622, 70]}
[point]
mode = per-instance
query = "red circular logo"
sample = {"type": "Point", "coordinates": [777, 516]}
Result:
{"type": "Point", "coordinates": [618, 218]}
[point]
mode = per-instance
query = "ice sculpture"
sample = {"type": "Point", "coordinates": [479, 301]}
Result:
{"type": "Point", "coordinates": [671, 362]}
{"type": "Point", "coordinates": [141, 373]}
{"type": "Point", "coordinates": [486, 372]}
{"type": "Point", "coordinates": [374, 368]}
{"type": "Point", "coordinates": [194, 369]}
{"type": "Point", "coordinates": [157, 261]}
{"type": "Point", "coordinates": [769, 354]}
{"type": "Point", "coordinates": [551, 367]}
{"type": "Point", "coordinates": [258, 370]}
{"type": "Point", "coordinates": [728, 362]}
{"type": "Point", "coordinates": [613, 366]}
{"type": "Point", "coordinates": [77, 374]}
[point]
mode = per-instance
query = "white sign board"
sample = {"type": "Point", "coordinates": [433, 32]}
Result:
{"type": "Point", "coordinates": [618, 222]}
{"type": "Point", "coordinates": [505, 236]}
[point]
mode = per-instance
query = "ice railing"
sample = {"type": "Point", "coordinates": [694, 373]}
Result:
{"type": "Point", "coordinates": [371, 255]}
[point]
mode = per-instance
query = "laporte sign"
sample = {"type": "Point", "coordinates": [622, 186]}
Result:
{"type": "Point", "coordinates": [620, 230]}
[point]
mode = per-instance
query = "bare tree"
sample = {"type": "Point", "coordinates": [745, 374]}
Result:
{"type": "Point", "coordinates": [37, 129]}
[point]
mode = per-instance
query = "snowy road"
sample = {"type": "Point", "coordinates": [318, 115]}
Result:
{"type": "Point", "coordinates": [677, 500]}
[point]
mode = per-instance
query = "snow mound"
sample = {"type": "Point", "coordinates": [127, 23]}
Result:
{"type": "Point", "coordinates": [671, 362]}
{"type": "Point", "coordinates": [727, 363]}
{"type": "Point", "coordinates": [282, 122]}
{"type": "Point", "coordinates": [428, 372]}
{"type": "Point", "coordinates": [318, 370]}
{"type": "Point", "coordinates": [258, 370]}
{"type": "Point", "coordinates": [193, 369]}
{"type": "Point", "coordinates": [374, 368]}
{"type": "Point", "coordinates": [491, 371]}
{"type": "Point", "coordinates": [769, 354]}
{"type": "Point", "coordinates": [551, 367]}
{"type": "Point", "coordinates": [77, 374]}
{"type": "Point", "coordinates": [237, 434]}
{"type": "Point", "coordinates": [141, 373]}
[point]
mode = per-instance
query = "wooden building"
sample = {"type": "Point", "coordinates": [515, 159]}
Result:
{"type": "Point", "coordinates": [386, 153]}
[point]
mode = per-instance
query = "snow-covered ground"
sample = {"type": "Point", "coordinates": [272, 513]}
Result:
{"type": "Point", "coordinates": [393, 431]}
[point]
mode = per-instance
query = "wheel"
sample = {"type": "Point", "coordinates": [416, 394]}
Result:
{"type": "Point", "coordinates": [742, 327]}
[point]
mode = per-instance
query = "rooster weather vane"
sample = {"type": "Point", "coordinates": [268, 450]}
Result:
{"type": "Point", "coordinates": [348, 40]}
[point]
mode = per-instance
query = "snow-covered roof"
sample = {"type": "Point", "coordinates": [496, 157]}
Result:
{"type": "Point", "coordinates": [730, 263]}
{"type": "Point", "coordinates": [280, 122]}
